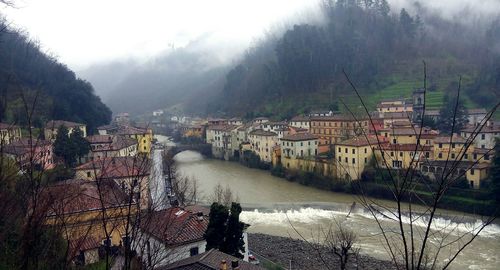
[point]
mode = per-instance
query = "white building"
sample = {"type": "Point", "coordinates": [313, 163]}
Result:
{"type": "Point", "coordinates": [219, 137]}
{"type": "Point", "coordinates": [158, 113]}
{"type": "Point", "coordinates": [170, 235]}
{"type": "Point", "coordinates": [485, 138]}
{"type": "Point", "coordinates": [476, 116]}
{"type": "Point", "coordinates": [299, 145]}
{"type": "Point", "coordinates": [300, 122]}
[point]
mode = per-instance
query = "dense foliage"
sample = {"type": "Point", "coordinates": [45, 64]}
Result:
{"type": "Point", "coordinates": [29, 74]}
{"type": "Point", "coordinates": [225, 230]}
{"type": "Point", "coordinates": [70, 148]}
{"type": "Point", "coordinates": [377, 48]}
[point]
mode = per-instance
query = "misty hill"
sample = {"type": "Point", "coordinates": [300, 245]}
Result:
{"type": "Point", "coordinates": [27, 73]}
{"type": "Point", "coordinates": [382, 51]}
{"type": "Point", "coordinates": [182, 79]}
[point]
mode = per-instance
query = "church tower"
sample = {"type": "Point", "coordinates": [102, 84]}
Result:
{"type": "Point", "coordinates": [418, 104]}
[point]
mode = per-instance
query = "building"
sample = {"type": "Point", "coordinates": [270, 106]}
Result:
{"type": "Point", "coordinates": [192, 130]}
{"type": "Point", "coordinates": [451, 148]}
{"type": "Point", "coordinates": [131, 174]}
{"type": "Point", "coordinates": [486, 136]}
{"type": "Point", "coordinates": [26, 152]}
{"type": "Point", "coordinates": [418, 104]}
{"type": "Point", "coordinates": [409, 135]}
{"type": "Point", "coordinates": [476, 116]}
{"type": "Point", "coordinates": [402, 156]}
{"type": "Point", "coordinates": [219, 136]}
{"type": "Point", "coordinates": [262, 143]}
{"type": "Point", "coordinates": [81, 210]}
{"type": "Point", "coordinates": [158, 113]}
{"type": "Point", "coordinates": [212, 260]}
{"type": "Point", "coordinates": [300, 122]}
{"type": "Point", "coordinates": [171, 235]}
{"type": "Point", "coordinates": [260, 120]}
{"type": "Point", "coordinates": [9, 133]}
{"type": "Point", "coordinates": [395, 105]}
{"type": "Point", "coordinates": [122, 118]}
{"type": "Point", "coordinates": [273, 126]}
{"type": "Point", "coordinates": [52, 126]}
{"type": "Point", "coordinates": [333, 129]}
{"type": "Point", "coordinates": [142, 135]}
{"type": "Point", "coordinates": [353, 155]}
{"type": "Point", "coordinates": [235, 121]}
{"type": "Point", "coordinates": [316, 113]}
{"type": "Point", "coordinates": [300, 145]}
{"type": "Point", "coordinates": [217, 121]}
{"type": "Point", "coordinates": [395, 117]}
{"type": "Point", "coordinates": [103, 146]}
{"type": "Point", "coordinates": [473, 172]}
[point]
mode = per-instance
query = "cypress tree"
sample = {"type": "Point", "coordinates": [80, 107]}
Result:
{"type": "Point", "coordinates": [216, 229]}
{"type": "Point", "coordinates": [233, 243]}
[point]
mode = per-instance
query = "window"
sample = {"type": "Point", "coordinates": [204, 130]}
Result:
{"type": "Point", "coordinates": [486, 157]}
{"type": "Point", "coordinates": [340, 149]}
{"type": "Point", "coordinates": [440, 155]}
{"type": "Point", "coordinates": [452, 155]}
{"type": "Point", "coordinates": [427, 154]}
{"type": "Point", "coordinates": [466, 156]}
{"type": "Point", "coordinates": [193, 251]}
{"type": "Point", "coordinates": [354, 151]}
{"type": "Point", "coordinates": [475, 156]}
{"type": "Point", "coordinates": [366, 150]}
{"type": "Point", "coordinates": [346, 150]}
{"type": "Point", "coordinates": [346, 160]}
{"type": "Point", "coordinates": [401, 154]}
{"type": "Point", "coordinates": [394, 141]}
{"type": "Point", "coordinates": [482, 146]}
{"type": "Point", "coordinates": [366, 160]}
{"type": "Point", "coordinates": [88, 174]}
{"type": "Point", "coordinates": [353, 161]}
{"type": "Point", "coordinates": [483, 136]}
{"type": "Point", "coordinates": [440, 145]}
{"type": "Point", "coordinates": [453, 145]}
{"type": "Point", "coordinates": [392, 154]}
{"type": "Point", "coordinates": [472, 172]}
{"type": "Point", "coordinates": [340, 159]}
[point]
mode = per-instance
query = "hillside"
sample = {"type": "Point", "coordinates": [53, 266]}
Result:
{"type": "Point", "coordinates": [382, 52]}
{"type": "Point", "coordinates": [31, 77]}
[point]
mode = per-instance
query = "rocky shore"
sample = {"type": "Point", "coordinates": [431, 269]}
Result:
{"type": "Point", "coordinates": [303, 255]}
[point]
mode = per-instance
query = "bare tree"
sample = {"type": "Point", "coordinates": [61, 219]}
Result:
{"type": "Point", "coordinates": [340, 241]}
{"type": "Point", "coordinates": [223, 195]}
{"type": "Point", "coordinates": [409, 244]}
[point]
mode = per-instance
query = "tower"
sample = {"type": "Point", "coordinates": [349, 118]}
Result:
{"type": "Point", "coordinates": [418, 104]}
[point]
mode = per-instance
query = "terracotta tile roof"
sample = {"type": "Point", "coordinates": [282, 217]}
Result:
{"type": "Point", "coordinates": [117, 167]}
{"type": "Point", "coordinates": [363, 141]}
{"type": "Point", "coordinates": [260, 132]}
{"type": "Point", "coordinates": [401, 131]}
{"type": "Point", "coordinates": [99, 138]}
{"type": "Point", "coordinates": [55, 124]}
{"type": "Point", "coordinates": [222, 127]}
{"type": "Point", "coordinates": [176, 226]}
{"type": "Point", "coordinates": [300, 118]}
{"type": "Point", "coordinates": [22, 146]}
{"type": "Point", "coordinates": [299, 137]}
{"type": "Point", "coordinates": [129, 130]}
{"type": "Point", "coordinates": [210, 260]}
{"type": "Point", "coordinates": [76, 195]}
{"type": "Point", "coordinates": [446, 139]}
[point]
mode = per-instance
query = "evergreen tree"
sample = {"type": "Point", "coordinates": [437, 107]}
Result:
{"type": "Point", "coordinates": [216, 228]}
{"type": "Point", "coordinates": [64, 148]}
{"type": "Point", "coordinates": [81, 146]}
{"type": "Point", "coordinates": [495, 173]}
{"type": "Point", "coordinates": [447, 115]}
{"type": "Point", "coordinates": [233, 243]}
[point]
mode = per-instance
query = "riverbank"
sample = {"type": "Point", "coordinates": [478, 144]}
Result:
{"type": "Point", "coordinates": [302, 255]}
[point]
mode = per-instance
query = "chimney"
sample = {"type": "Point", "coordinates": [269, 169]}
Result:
{"type": "Point", "coordinates": [223, 265]}
{"type": "Point", "coordinates": [235, 265]}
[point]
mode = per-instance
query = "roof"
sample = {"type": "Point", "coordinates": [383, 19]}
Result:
{"type": "Point", "coordinates": [130, 130]}
{"type": "Point", "coordinates": [176, 226]}
{"type": "Point", "coordinates": [400, 115]}
{"type": "Point", "coordinates": [462, 164]}
{"type": "Point", "coordinates": [446, 139]}
{"type": "Point", "coordinates": [99, 138]}
{"type": "Point", "coordinates": [84, 243]}
{"type": "Point", "coordinates": [7, 126]}
{"type": "Point", "coordinates": [261, 118]}
{"type": "Point", "coordinates": [300, 118]}
{"type": "Point", "coordinates": [221, 127]}
{"type": "Point", "coordinates": [477, 111]}
{"type": "Point", "coordinates": [77, 195]}
{"type": "Point", "coordinates": [299, 137]}
{"type": "Point", "coordinates": [55, 124]}
{"type": "Point", "coordinates": [338, 117]}
{"type": "Point", "coordinates": [486, 129]}
{"type": "Point", "coordinates": [362, 141]}
{"type": "Point", "coordinates": [261, 132]}
{"type": "Point", "coordinates": [406, 147]}
{"type": "Point", "coordinates": [116, 167]}
{"type": "Point", "coordinates": [210, 260]}
{"type": "Point", "coordinates": [411, 131]}
{"type": "Point", "coordinates": [24, 145]}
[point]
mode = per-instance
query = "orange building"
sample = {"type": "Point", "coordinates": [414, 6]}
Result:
{"type": "Point", "coordinates": [336, 128]}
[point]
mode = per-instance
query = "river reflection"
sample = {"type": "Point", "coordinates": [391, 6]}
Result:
{"type": "Point", "coordinates": [272, 204]}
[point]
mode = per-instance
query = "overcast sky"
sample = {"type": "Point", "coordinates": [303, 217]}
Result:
{"type": "Point", "coordinates": [82, 32]}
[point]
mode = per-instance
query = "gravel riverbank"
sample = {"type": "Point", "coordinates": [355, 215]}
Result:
{"type": "Point", "coordinates": [303, 256]}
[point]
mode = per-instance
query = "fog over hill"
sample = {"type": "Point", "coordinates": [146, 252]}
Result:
{"type": "Point", "coordinates": [192, 77]}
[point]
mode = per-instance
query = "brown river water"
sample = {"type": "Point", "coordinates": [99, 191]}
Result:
{"type": "Point", "coordinates": [276, 206]}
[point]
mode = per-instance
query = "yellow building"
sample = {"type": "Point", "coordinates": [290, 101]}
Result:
{"type": "Point", "coordinates": [262, 143]}
{"type": "Point", "coordinates": [9, 133]}
{"type": "Point", "coordinates": [473, 172]}
{"type": "Point", "coordinates": [52, 126]}
{"type": "Point", "coordinates": [353, 155]}
{"type": "Point", "coordinates": [401, 156]}
{"type": "Point", "coordinates": [409, 135]}
{"type": "Point", "coordinates": [451, 147]}
{"type": "Point", "coordinates": [143, 135]}
{"type": "Point", "coordinates": [87, 216]}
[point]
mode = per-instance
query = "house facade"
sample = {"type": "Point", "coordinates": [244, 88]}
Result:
{"type": "Point", "coordinates": [9, 133]}
{"type": "Point", "coordinates": [50, 130]}
{"type": "Point", "coordinates": [262, 143]}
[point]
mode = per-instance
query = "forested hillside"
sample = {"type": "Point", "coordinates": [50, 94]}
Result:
{"type": "Point", "coordinates": [382, 51]}
{"type": "Point", "coordinates": [29, 74]}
